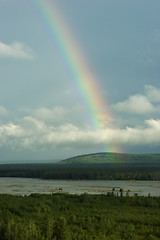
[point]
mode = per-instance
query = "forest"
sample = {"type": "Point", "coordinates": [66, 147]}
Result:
{"type": "Point", "coordinates": [87, 172]}
{"type": "Point", "coordinates": [81, 217]}
{"type": "Point", "coordinates": [95, 166]}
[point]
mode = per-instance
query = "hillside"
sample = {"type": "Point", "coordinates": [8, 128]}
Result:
{"type": "Point", "coordinates": [114, 158]}
{"type": "Point", "coordinates": [97, 166]}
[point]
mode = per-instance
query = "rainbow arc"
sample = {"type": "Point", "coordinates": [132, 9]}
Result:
{"type": "Point", "coordinates": [74, 61]}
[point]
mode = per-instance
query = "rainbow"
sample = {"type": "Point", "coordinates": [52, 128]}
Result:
{"type": "Point", "coordinates": [75, 62]}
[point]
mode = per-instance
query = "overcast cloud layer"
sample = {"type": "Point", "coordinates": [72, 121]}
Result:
{"type": "Point", "coordinates": [44, 113]}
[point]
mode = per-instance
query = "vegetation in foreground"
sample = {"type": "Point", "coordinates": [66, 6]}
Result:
{"type": "Point", "coordinates": [81, 217]}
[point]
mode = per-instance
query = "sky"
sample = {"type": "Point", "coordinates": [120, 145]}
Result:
{"type": "Point", "coordinates": [78, 77]}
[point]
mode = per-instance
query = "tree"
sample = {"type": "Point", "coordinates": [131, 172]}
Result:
{"type": "Point", "coordinates": [121, 192]}
{"type": "Point", "coordinates": [61, 229]}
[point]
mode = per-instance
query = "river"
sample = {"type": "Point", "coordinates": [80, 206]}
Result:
{"type": "Point", "coordinates": [26, 186]}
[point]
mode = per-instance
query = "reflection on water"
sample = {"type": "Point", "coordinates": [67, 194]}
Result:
{"type": "Point", "coordinates": [26, 186]}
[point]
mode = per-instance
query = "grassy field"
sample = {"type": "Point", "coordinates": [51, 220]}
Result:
{"type": "Point", "coordinates": [115, 158]}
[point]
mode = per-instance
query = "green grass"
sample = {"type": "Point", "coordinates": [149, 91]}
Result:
{"type": "Point", "coordinates": [114, 158]}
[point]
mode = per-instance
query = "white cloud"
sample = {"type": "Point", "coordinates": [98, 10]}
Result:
{"type": "Point", "coordinates": [16, 50]}
{"type": "Point", "coordinates": [56, 114]}
{"type": "Point", "coordinates": [140, 104]}
{"type": "Point", "coordinates": [12, 130]}
{"type": "Point", "coordinates": [137, 104]}
{"type": "Point", "coordinates": [30, 133]}
{"type": "Point", "coordinates": [141, 136]}
{"type": "Point", "coordinates": [44, 129]}
{"type": "Point", "coordinates": [3, 111]}
{"type": "Point", "coordinates": [152, 93]}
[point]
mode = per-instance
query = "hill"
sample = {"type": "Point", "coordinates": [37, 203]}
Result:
{"type": "Point", "coordinates": [114, 158]}
{"type": "Point", "coordinates": [97, 166]}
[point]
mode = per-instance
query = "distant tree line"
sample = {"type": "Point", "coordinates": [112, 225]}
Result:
{"type": "Point", "coordinates": [86, 173]}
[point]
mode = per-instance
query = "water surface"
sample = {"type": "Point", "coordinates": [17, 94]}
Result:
{"type": "Point", "coordinates": [26, 186]}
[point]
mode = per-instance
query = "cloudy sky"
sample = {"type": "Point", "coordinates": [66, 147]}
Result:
{"type": "Point", "coordinates": [43, 114]}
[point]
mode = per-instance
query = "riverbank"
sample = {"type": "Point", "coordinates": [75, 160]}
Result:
{"type": "Point", "coordinates": [26, 186]}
